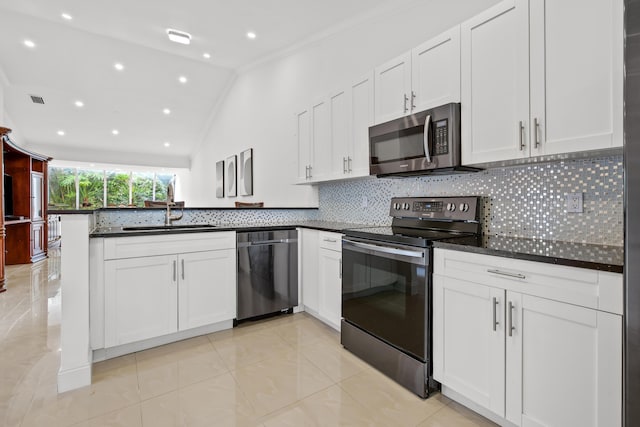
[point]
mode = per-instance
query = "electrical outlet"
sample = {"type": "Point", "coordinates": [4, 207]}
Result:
{"type": "Point", "coordinates": [574, 203]}
{"type": "Point", "coordinates": [365, 202]}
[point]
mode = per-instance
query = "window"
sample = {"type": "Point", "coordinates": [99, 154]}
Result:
{"type": "Point", "coordinates": [73, 188]}
{"type": "Point", "coordinates": [62, 188]}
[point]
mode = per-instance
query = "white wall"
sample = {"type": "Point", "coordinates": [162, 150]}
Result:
{"type": "Point", "coordinates": [259, 110]}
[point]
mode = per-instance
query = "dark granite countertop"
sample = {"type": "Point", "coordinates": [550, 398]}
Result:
{"type": "Point", "coordinates": [139, 208]}
{"type": "Point", "coordinates": [336, 227]}
{"type": "Point", "coordinates": [595, 257]}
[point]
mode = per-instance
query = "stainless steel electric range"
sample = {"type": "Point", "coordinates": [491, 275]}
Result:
{"type": "Point", "coordinates": [387, 285]}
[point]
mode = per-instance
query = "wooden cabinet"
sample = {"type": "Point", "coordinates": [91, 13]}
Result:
{"type": "Point", "coordinates": [539, 80]}
{"type": "Point", "coordinates": [516, 337]}
{"type": "Point", "coordinates": [25, 204]}
{"type": "Point", "coordinates": [425, 77]}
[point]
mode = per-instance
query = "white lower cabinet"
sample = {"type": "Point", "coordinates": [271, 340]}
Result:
{"type": "Point", "coordinates": [187, 281]}
{"type": "Point", "coordinates": [530, 360]}
{"type": "Point", "coordinates": [321, 275]}
{"type": "Point", "coordinates": [331, 286]}
{"type": "Point", "coordinates": [141, 299]}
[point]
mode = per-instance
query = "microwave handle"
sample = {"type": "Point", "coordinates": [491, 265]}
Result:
{"type": "Point", "coordinates": [427, 126]}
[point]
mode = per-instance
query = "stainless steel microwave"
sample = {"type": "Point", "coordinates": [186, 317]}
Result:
{"type": "Point", "coordinates": [422, 143]}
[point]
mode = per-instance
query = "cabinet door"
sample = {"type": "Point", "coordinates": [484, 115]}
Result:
{"type": "Point", "coordinates": [321, 141]}
{"type": "Point", "coordinates": [207, 289]}
{"type": "Point", "coordinates": [330, 287]}
{"type": "Point", "coordinates": [435, 72]}
{"type": "Point", "coordinates": [38, 242]}
{"type": "Point", "coordinates": [141, 298]}
{"type": "Point", "coordinates": [309, 269]}
{"type": "Point", "coordinates": [468, 340]}
{"type": "Point", "coordinates": [37, 196]}
{"type": "Point", "coordinates": [393, 89]}
{"type": "Point", "coordinates": [303, 136]}
{"type": "Point", "coordinates": [362, 117]}
{"type": "Point", "coordinates": [576, 74]}
{"type": "Point", "coordinates": [340, 132]}
{"type": "Point", "coordinates": [495, 84]}
{"type": "Point", "coordinates": [564, 365]}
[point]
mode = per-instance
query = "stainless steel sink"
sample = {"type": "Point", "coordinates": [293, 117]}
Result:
{"type": "Point", "coordinates": [166, 227]}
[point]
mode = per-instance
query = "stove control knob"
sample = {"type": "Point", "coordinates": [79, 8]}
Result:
{"type": "Point", "coordinates": [464, 207]}
{"type": "Point", "coordinates": [451, 207]}
{"type": "Point", "coordinates": [396, 206]}
{"type": "Point", "coordinates": [406, 206]}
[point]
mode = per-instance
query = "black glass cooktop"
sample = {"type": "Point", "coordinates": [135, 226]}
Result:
{"type": "Point", "coordinates": [410, 236]}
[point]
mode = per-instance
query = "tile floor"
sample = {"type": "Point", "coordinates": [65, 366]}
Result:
{"type": "Point", "coordinates": [287, 371]}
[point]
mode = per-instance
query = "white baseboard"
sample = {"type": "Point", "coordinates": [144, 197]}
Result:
{"type": "Point", "coordinates": [111, 352]}
{"type": "Point", "coordinates": [71, 379]}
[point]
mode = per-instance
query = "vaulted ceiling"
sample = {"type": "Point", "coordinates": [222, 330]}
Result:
{"type": "Point", "coordinates": [143, 113]}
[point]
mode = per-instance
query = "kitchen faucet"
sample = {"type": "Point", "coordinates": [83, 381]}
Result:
{"type": "Point", "coordinates": [169, 218]}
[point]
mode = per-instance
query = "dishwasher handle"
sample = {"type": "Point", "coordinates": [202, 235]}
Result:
{"type": "Point", "coordinates": [266, 242]}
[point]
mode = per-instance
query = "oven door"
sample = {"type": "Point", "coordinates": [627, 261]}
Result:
{"type": "Point", "coordinates": [386, 292]}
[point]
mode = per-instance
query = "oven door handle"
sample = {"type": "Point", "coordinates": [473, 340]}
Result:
{"type": "Point", "coordinates": [385, 250]}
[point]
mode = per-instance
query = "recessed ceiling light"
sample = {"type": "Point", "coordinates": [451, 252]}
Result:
{"type": "Point", "coordinates": [79, 104]}
{"type": "Point", "coordinates": [115, 131]}
{"type": "Point", "coordinates": [67, 16]}
{"type": "Point", "coordinates": [166, 111]}
{"type": "Point", "coordinates": [182, 79]}
{"type": "Point", "coordinates": [167, 144]}
{"type": "Point", "coordinates": [179, 36]}
{"type": "Point", "coordinates": [118, 66]}
{"type": "Point", "coordinates": [206, 55]}
{"type": "Point", "coordinates": [92, 164]}
{"type": "Point", "coordinates": [61, 132]}
{"type": "Point", "coordinates": [251, 35]}
{"type": "Point", "coordinates": [29, 44]}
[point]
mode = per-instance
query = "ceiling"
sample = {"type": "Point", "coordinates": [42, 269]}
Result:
{"type": "Point", "coordinates": [73, 60]}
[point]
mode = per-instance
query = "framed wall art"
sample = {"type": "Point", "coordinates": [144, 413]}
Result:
{"type": "Point", "coordinates": [220, 179]}
{"type": "Point", "coordinates": [230, 178]}
{"type": "Point", "coordinates": [245, 178]}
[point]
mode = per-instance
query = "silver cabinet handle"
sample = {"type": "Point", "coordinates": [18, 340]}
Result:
{"type": "Point", "coordinates": [413, 98]}
{"type": "Point", "coordinates": [425, 142]}
{"type": "Point", "coordinates": [344, 165]}
{"type": "Point", "coordinates": [510, 327]}
{"type": "Point", "coordinates": [340, 272]}
{"type": "Point", "coordinates": [495, 314]}
{"type": "Point", "coordinates": [330, 240]}
{"type": "Point", "coordinates": [405, 103]}
{"type": "Point", "coordinates": [521, 131]}
{"type": "Point", "coordinates": [349, 165]}
{"type": "Point", "coordinates": [310, 167]}
{"type": "Point", "coordinates": [536, 129]}
{"type": "Point", "coordinates": [174, 271]}
{"type": "Point", "coordinates": [506, 273]}
{"type": "Point", "coordinates": [183, 269]}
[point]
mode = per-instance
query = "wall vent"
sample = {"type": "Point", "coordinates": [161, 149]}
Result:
{"type": "Point", "coordinates": [36, 99]}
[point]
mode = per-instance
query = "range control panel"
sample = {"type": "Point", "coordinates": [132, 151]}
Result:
{"type": "Point", "coordinates": [453, 208]}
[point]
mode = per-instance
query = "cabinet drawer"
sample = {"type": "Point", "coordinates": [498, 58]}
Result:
{"type": "Point", "coordinates": [140, 246]}
{"type": "Point", "coordinates": [595, 289]}
{"type": "Point", "coordinates": [331, 241]}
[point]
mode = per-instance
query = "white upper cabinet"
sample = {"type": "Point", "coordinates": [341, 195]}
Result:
{"type": "Point", "coordinates": [340, 132]}
{"type": "Point", "coordinates": [540, 78]}
{"type": "Point", "coordinates": [303, 137]}
{"type": "Point", "coordinates": [435, 71]}
{"type": "Point", "coordinates": [494, 84]}
{"type": "Point", "coordinates": [362, 115]}
{"type": "Point", "coordinates": [576, 74]}
{"type": "Point", "coordinates": [425, 77]}
{"type": "Point", "coordinates": [393, 88]}
{"type": "Point", "coordinates": [321, 140]}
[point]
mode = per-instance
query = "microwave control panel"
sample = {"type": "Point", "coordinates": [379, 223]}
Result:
{"type": "Point", "coordinates": [441, 137]}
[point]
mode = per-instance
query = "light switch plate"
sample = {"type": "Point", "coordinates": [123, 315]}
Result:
{"type": "Point", "coordinates": [574, 203]}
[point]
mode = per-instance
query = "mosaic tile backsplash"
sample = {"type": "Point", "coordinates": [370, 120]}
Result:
{"type": "Point", "coordinates": [519, 201]}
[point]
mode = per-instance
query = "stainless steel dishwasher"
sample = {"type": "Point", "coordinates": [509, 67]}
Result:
{"type": "Point", "coordinates": [267, 272]}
